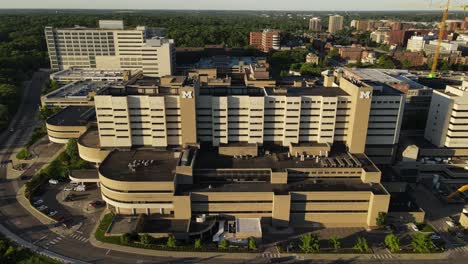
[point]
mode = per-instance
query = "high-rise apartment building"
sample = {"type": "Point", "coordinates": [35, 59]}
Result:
{"type": "Point", "coordinates": [315, 24]}
{"type": "Point", "coordinates": [266, 40]}
{"type": "Point", "coordinates": [447, 122]}
{"type": "Point", "coordinates": [335, 24]}
{"type": "Point", "coordinates": [111, 46]}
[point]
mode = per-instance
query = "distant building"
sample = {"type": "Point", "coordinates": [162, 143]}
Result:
{"type": "Point", "coordinates": [401, 37]}
{"type": "Point", "coordinates": [315, 24]}
{"type": "Point", "coordinates": [416, 58]}
{"type": "Point", "coordinates": [359, 25]}
{"type": "Point", "coordinates": [335, 24]}
{"type": "Point", "coordinates": [312, 58]}
{"type": "Point", "coordinates": [266, 40]}
{"type": "Point", "coordinates": [381, 35]}
{"type": "Point", "coordinates": [111, 46]}
{"type": "Point", "coordinates": [446, 123]}
{"type": "Point", "coordinates": [417, 43]}
{"type": "Point", "coordinates": [356, 53]}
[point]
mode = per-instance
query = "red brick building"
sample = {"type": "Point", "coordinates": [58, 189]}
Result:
{"type": "Point", "coordinates": [266, 40]}
{"type": "Point", "coordinates": [416, 58]}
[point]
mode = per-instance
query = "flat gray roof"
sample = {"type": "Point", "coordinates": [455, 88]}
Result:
{"type": "Point", "coordinates": [278, 160]}
{"type": "Point", "coordinates": [348, 185]}
{"type": "Point", "coordinates": [148, 164]}
{"type": "Point", "coordinates": [308, 91]}
{"type": "Point", "coordinates": [90, 138]}
{"type": "Point", "coordinates": [78, 89]}
{"type": "Point", "coordinates": [73, 116]}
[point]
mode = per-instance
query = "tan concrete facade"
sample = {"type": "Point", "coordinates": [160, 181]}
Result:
{"type": "Point", "coordinates": [140, 48]}
{"type": "Point", "coordinates": [61, 134]}
{"type": "Point", "coordinates": [277, 201]}
{"type": "Point", "coordinates": [447, 121]}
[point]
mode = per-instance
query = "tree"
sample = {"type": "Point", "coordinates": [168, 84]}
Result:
{"type": "Point", "coordinates": [53, 85]}
{"type": "Point", "coordinates": [198, 244]}
{"type": "Point", "coordinates": [46, 112]}
{"type": "Point", "coordinates": [385, 62]}
{"type": "Point", "coordinates": [406, 64]}
{"type": "Point", "coordinates": [381, 219]}
{"type": "Point", "coordinates": [72, 149]}
{"type": "Point", "coordinates": [310, 69]}
{"type": "Point", "coordinates": [335, 242]}
{"type": "Point", "coordinates": [315, 243]}
{"type": "Point", "coordinates": [146, 239]}
{"type": "Point", "coordinates": [23, 154]}
{"type": "Point", "coordinates": [422, 243]}
{"type": "Point", "coordinates": [224, 244]}
{"type": "Point", "coordinates": [361, 245]}
{"type": "Point", "coordinates": [296, 67]}
{"type": "Point", "coordinates": [125, 238]}
{"type": "Point", "coordinates": [171, 242]}
{"type": "Point", "coordinates": [309, 243]}
{"type": "Point", "coordinates": [252, 243]}
{"type": "Point", "coordinates": [392, 242]}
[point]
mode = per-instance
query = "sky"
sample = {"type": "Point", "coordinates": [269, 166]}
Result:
{"type": "Point", "coordinates": [305, 5]}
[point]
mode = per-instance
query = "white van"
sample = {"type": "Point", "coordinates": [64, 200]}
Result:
{"type": "Point", "coordinates": [80, 188]}
{"type": "Point", "coordinates": [52, 181]}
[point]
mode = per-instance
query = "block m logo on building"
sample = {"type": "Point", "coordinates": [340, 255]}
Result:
{"type": "Point", "coordinates": [365, 95]}
{"type": "Point", "coordinates": [187, 94]}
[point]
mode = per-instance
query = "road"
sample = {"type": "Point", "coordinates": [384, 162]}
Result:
{"type": "Point", "coordinates": [14, 217]}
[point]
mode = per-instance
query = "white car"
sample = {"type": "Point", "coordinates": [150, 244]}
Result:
{"type": "Point", "coordinates": [42, 207]}
{"type": "Point", "coordinates": [38, 202]}
{"type": "Point", "coordinates": [67, 188]}
{"type": "Point", "coordinates": [52, 213]}
{"type": "Point", "coordinates": [414, 227]}
{"type": "Point", "coordinates": [435, 237]}
{"type": "Point", "coordinates": [52, 181]}
{"type": "Point", "coordinates": [450, 223]}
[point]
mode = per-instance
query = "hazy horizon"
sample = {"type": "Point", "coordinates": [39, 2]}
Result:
{"type": "Point", "coordinates": [221, 5]}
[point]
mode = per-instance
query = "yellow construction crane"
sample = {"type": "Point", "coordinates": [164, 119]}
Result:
{"type": "Point", "coordinates": [439, 40]}
{"type": "Point", "coordinates": [462, 189]}
{"type": "Point", "coordinates": [441, 35]}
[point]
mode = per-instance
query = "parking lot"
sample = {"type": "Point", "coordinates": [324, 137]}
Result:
{"type": "Point", "coordinates": [67, 206]}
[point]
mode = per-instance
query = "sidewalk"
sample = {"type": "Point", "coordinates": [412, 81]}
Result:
{"type": "Point", "coordinates": [181, 254]}
{"type": "Point", "coordinates": [35, 248]}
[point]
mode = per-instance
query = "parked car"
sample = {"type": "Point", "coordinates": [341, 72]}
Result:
{"type": "Point", "coordinates": [52, 181]}
{"type": "Point", "coordinates": [435, 236]}
{"type": "Point", "coordinates": [25, 177]}
{"type": "Point", "coordinates": [42, 207]}
{"type": "Point", "coordinates": [450, 223]}
{"type": "Point", "coordinates": [459, 235]}
{"type": "Point", "coordinates": [52, 213]}
{"type": "Point", "coordinates": [38, 202]}
{"type": "Point", "coordinates": [414, 227]}
{"type": "Point", "coordinates": [67, 188]}
{"type": "Point", "coordinates": [96, 204]}
{"type": "Point", "coordinates": [72, 183]}
{"type": "Point", "coordinates": [69, 198]}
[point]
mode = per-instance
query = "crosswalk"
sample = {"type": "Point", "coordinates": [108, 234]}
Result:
{"type": "Point", "coordinates": [271, 255]}
{"type": "Point", "coordinates": [79, 237]}
{"type": "Point", "coordinates": [60, 238]}
{"type": "Point", "coordinates": [460, 249]}
{"type": "Point", "coordinates": [382, 256]}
